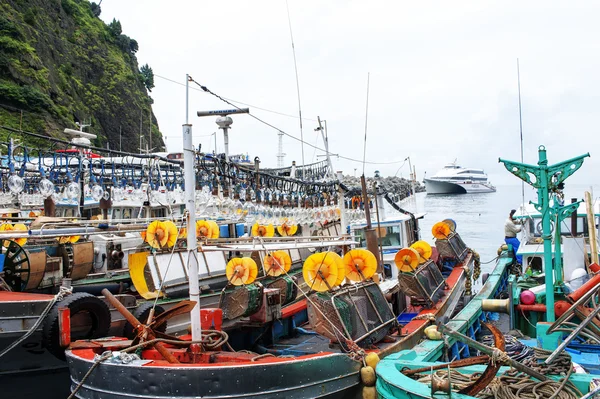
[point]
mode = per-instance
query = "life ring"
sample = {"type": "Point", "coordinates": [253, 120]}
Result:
{"type": "Point", "coordinates": [90, 311]}
{"type": "Point", "coordinates": [141, 313]}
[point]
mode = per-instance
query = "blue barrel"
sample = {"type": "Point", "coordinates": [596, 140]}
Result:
{"type": "Point", "coordinates": [239, 229]}
{"type": "Point", "coordinates": [224, 231]}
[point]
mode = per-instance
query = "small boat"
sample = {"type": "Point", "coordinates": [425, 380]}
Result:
{"type": "Point", "coordinates": [454, 179]}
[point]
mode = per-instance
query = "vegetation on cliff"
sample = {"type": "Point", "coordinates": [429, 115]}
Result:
{"type": "Point", "coordinates": [61, 64]}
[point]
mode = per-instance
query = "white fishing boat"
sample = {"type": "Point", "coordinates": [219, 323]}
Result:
{"type": "Point", "coordinates": [454, 179]}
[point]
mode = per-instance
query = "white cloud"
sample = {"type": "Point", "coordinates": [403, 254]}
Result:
{"type": "Point", "coordinates": [443, 76]}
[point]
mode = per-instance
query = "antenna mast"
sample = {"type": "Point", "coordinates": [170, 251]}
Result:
{"type": "Point", "coordinates": [280, 154]}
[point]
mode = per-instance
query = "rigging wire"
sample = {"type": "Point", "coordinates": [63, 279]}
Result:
{"type": "Point", "coordinates": [236, 101]}
{"type": "Point", "coordinates": [207, 90]}
{"type": "Point", "coordinates": [297, 83]}
{"type": "Point", "coordinates": [366, 122]}
{"type": "Point", "coordinates": [521, 130]}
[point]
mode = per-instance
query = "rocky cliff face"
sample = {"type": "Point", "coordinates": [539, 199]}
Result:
{"type": "Point", "coordinates": [61, 64]}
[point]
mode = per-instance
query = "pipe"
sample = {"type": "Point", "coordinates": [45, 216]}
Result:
{"type": "Point", "coordinates": [586, 287]}
{"type": "Point", "coordinates": [536, 307]}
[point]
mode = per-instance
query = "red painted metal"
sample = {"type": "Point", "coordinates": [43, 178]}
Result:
{"type": "Point", "coordinates": [8, 296]}
{"type": "Point", "coordinates": [292, 309]}
{"type": "Point", "coordinates": [589, 285]}
{"type": "Point", "coordinates": [537, 307]}
{"type": "Point", "coordinates": [211, 318]}
{"type": "Point", "coordinates": [560, 307]}
{"type": "Point", "coordinates": [64, 327]}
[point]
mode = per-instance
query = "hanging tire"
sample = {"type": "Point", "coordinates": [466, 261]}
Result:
{"type": "Point", "coordinates": [90, 318]}
{"type": "Point", "coordinates": [141, 313]}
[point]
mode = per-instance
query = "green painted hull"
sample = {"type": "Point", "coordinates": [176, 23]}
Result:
{"type": "Point", "coordinates": [391, 383]}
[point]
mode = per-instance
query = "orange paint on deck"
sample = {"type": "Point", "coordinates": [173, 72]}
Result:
{"type": "Point", "coordinates": [6, 296]}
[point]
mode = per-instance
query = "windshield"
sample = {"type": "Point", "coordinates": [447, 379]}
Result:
{"type": "Point", "coordinates": [389, 236]}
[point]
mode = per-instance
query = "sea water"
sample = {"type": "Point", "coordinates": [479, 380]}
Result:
{"type": "Point", "coordinates": [480, 218]}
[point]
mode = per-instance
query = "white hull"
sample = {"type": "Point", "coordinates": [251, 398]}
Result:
{"type": "Point", "coordinates": [444, 187]}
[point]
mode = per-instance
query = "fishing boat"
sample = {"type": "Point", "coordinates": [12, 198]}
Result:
{"type": "Point", "coordinates": [557, 315]}
{"type": "Point", "coordinates": [454, 179]}
{"type": "Point", "coordinates": [290, 357]}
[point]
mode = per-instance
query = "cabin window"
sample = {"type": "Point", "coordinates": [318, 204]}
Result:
{"type": "Point", "coordinates": [159, 213]}
{"type": "Point", "coordinates": [535, 263]}
{"type": "Point", "coordinates": [127, 213]}
{"type": "Point", "coordinates": [389, 236]}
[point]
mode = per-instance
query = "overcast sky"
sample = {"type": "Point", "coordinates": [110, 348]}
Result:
{"type": "Point", "coordinates": [443, 77]}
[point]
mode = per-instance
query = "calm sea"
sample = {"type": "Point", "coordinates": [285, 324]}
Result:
{"type": "Point", "coordinates": [480, 217]}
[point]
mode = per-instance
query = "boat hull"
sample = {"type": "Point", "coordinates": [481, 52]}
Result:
{"type": "Point", "coordinates": [444, 187]}
{"type": "Point", "coordinates": [321, 376]}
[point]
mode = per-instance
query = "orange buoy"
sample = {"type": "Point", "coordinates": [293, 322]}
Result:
{"type": "Point", "coordinates": [240, 271]}
{"type": "Point", "coordinates": [440, 230]}
{"type": "Point", "coordinates": [360, 264]}
{"type": "Point", "coordinates": [320, 271]}
{"type": "Point", "coordinates": [424, 250]}
{"type": "Point", "coordinates": [260, 230]}
{"type": "Point", "coordinates": [277, 263]}
{"type": "Point", "coordinates": [407, 260]}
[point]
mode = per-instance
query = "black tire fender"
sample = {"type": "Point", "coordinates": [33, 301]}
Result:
{"type": "Point", "coordinates": [141, 313]}
{"type": "Point", "coordinates": [79, 302]}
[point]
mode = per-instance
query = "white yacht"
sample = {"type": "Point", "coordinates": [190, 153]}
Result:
{"type": "Point", "coordinates": [454, 179]}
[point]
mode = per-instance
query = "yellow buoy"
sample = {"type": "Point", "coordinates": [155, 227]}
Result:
{"type": "Point", "coordinates": [171, 230]}
{"type": "Point", "coordinates": [6, 227]}
{"type": "Point", "coordinates": [320, 271]}
{"type": "Point", "coordinates": [260, 230]}
{"type": "Point", "coordinates": [341, 268]}
{"type": "Point", "coordinates": [143, 235]}
{"type": "Point", "coordinates": [367, 376]}
{"type": "Point", "coordinates": [277, 263]}
{"type": "Point", "coordinates": [369, 393]}
{"type": "Point", "coordinates": [424, 250]}
{"type": "Point", "coordinates": [287, 229]}
{"type": "Point", "coordinates": [440, 230]}
{"type": "Point", "coordinates": [156, 234]}
{"type": "Point", "coordinates": [204, 229]}
{"type": "Point", "coordinates": [432, 333]}
{"type": "Point", "coordinates": [360, 264]}
{"type": "Point", "coordinates": [183, 232]}
{"type": "Point", "coordinates": [407, 260]}
{"type": "Point", "coordinates": [215, 230]}
{"type": "Point", "coordinates": [240, 271]}
{"type": "Point", "coordinates": [74, 239]}
{"type": "Point", "coordinates": [372, 359]}
{"type": "Point", "coordinates": [20, 227]}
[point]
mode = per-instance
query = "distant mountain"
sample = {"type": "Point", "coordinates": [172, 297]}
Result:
{"type": "Point", "coordinates": [61, 64]}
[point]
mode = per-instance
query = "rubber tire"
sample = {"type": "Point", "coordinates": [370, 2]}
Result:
{"type": "Point", "coordinates": [77, 302]}
{"type": "Point", "coordinates": [141, 313]}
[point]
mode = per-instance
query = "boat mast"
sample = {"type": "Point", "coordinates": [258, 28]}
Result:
{"type": "Point", "coordinates": [546, 179]}
{"type": "Point", "coordinates": [190, 206]}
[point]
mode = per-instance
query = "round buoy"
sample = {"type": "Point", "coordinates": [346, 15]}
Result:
{"type": "Point", "coordinates": [287, 229]}
{"type": "Point", "coordinates": [367, 376]}
{"type": "Point", "coordinates": [277, 263]}
{"type": "Point", "coordinates": [320, 271]}
{"type": "Point", "coordinates": [424, 250]}
{"type": "Point", "coordinates": [260, 230]}
{"type": "Point", "coordinates": [171, 230]}
{"type": "Point", "coordinates": [214, 229]}
{"type": "Point", "coordinates": [372, 359]}
{"type": "Point", "coordinates": [240, 271]}
{"type": "Point", "coordinates": [360, 264]}
{"type": "Point", "coordinates": [527, 297]}
{"type": "Point", "coordinates": [156, 234]}
{"type": "Point", "coordinates": [341, 268]}
{"type": "Point", "coordinates": [440, 230]}
{"type": "Point", "coordinates": [407, 260]}
{"type": "Point", "coordinates": [451, 223]}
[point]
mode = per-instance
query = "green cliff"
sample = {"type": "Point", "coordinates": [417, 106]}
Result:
{"type": "Point", "coordinates": [61, 64]}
